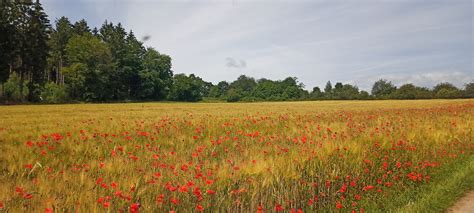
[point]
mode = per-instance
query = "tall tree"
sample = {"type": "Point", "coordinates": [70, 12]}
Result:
{"type": "Point", "coordinates": [81, 28]}
{"type": "Point", "coordinates": [446, 90]}
{"type": "Point", "coordinates": [328, 90]}
{"type": "Point", "coordinates": [186, 88]}
{"type": "Point", "coordinates": [133, 64]}
{"type": "Point", "coordinates": [89, 73]}
{"type": "Point", "coordinates": [316, 93]}
{"type": "Point", "coordinates": [156, 78]}
{"type": "Point", "coordinates": [21, 55]}
{"type": "Point", "coordinates": [7, 41]}
{"type": "Point", "coordinates": [38, 35]}
{"type": "Point", "coordinates": [336, 92]}
{"type": "Point", "coordinates": [349, 92]}
{"type": "Point", "coordinates": [383, 88]}
{"type": "Point", "coordinates": [60, 36]}
{"type": "Point", "coordinates": [244, 84]}
{"type": "Point", "coordinates": [468, 91]}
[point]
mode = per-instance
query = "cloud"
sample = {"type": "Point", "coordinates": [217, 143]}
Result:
{"type": "Point", "coordinates": [315, 41]}
{"type": "Point", "coordinates": [231, 62]}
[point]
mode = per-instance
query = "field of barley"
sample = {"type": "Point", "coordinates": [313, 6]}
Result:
{"type": "Point", "coordinates": [323, 156]}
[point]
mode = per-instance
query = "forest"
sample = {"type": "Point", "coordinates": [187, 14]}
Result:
{"type": "Point", "coordinates": [70, 62]}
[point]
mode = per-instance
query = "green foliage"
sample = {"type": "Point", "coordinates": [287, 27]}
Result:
{"type": "Point", "coordinates": [24, 31]}
{"type": "Point", "coordinates": [345, 92]}
{"type": "Point", "coordinates": [410, 91]}
{"type": "Point", "coordinates": [448, 93]}
{"type": "Point", "coordinates": [7, 41]}
{"type": "Point", "coordinates": [446, 90]}
{"type": "Point", "coordinates": [234, 95]}
{"type": "Point", "coordinates": [265, 89]}
{"type": "Point", "coordinates": [90, 70]}
{"type": "Point", "coordinates": [54, 93]}
{"type": "Point", "coordinates": [245, 84]}
{"type": "Point", "coordinates": [316, 94]}
{"type": "Point", "coordinates": [81, 28]}
{"type": "Point", "coordinates": [58, 41]}
{"type": "Point", "coordinates": [214, 92]}
{"type": "Point", "coordinates": [12, 88]}
{"type": "Point", "coordinates": [364, 95]}
{"type": "Point", "coordinates": [155, 79]}
{"type": "Point", "coordinates": [406, 91]}
{"type": "Point", "coordinates": [468, 91]}
{"type": "Point", "coordinates": [186, 88]}
{"type": "Point", "coordinates": [383, 88]}
{"type": "Point", "coordinates": [328, 90]}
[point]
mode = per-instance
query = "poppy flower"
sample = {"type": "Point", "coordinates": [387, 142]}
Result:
{"type": "Point", "coordinates": [134, 207]}
{"type": "Point", "coordinates": [338, 205]}
{"type": "Point", "coordinates": [174, 201]}
{"type": "Point", "coordinates": [279, 208]}
{"type": "Point", "coordinates": [199, 208]}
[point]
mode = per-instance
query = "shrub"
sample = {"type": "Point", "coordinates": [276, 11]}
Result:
{"type": "Point", "coordinates": [53, 93]}
{"type": "Point", "coordinates": [12, 90]}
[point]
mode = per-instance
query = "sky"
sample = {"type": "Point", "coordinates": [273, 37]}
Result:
{"type": "Point", "coordinates": [423, 42]}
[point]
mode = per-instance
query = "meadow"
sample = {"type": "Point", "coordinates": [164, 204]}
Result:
{"type": "Point", "coordinates": [321, 156]}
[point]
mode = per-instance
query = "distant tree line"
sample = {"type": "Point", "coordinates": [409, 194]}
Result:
{"type": "Point", "coordinates": [249, 89]}
{"type": "Point", "coordinates": [70, 62]}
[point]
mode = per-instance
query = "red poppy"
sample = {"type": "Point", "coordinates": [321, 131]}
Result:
{"type": "Point", "coordinates": [357, 197]}
{"type": "Point", "coordinates": [199, 208]}
{"type": "Point", "coordinates": [174, 201]}
{"type": "Point", "coordinates": [279, 208]}
{"type": "Point", "coordinates": [27, 196]}
{"type": "Point", "coordinates": [134, 207]}
{"type": "Point", "coordinates": [338, 205]}
{"type": "Point", "coordinates": [369, 187]}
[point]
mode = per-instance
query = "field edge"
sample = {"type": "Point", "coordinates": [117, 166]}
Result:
{"type": "Point", "coordinates": [452, 183]}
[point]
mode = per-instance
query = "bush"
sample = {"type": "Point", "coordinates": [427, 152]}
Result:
{"type": "Point", "coordinates": [12, 88]}
{"type": "Point", "coordinates": [53, 93]}
{"type": "Point", "coordinates": [448, 93]}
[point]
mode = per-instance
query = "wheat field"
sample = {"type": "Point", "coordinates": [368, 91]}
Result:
{"type": "Point", "coordinates": [323, 156]}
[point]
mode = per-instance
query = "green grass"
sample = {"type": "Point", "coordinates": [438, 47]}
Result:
{"type": "Point", "coordinates": [450, 185]}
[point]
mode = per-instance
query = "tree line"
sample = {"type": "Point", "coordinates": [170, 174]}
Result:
{"type": "Point", "coordinates": [71, 62]}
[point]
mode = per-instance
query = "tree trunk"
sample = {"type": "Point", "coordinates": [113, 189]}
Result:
{"type": "Point", "coordinates": [21, 85]}
{"type": "Point", "coordinates": [57, 72]}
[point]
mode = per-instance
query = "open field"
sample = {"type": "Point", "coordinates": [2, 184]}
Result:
{"type": "Point", "coordinates": [315, 156]}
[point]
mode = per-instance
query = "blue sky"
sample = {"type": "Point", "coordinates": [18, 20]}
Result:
{"type": "Point", "coordinates": [351, 41]}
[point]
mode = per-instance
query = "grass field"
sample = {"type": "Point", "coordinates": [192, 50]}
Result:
{"type": "Point", "coordinates": [327, 156]}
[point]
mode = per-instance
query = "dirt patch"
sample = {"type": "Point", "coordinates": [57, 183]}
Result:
{"type": "Point", "coordinates": [463, 205]}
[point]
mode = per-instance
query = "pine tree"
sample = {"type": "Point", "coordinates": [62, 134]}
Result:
{"type": "Point", "coordinates": [7, 41]}
{"type": "Point", "coordinates": [38, 33]}
{"type": "Point", "coordinates": [59, 39]}
{"type": "Point", "coordinates": [81, 28]}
